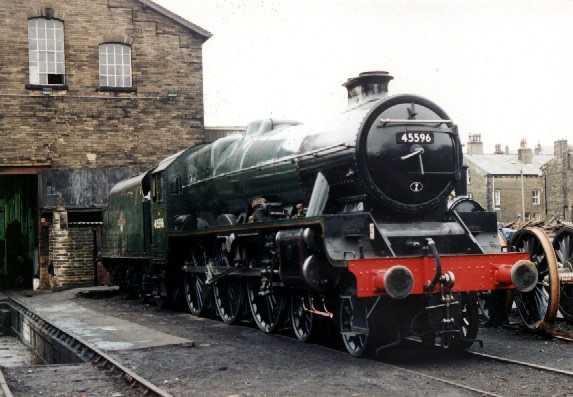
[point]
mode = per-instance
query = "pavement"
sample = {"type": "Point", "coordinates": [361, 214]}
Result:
{"type": "Point", "coordinates": [105, 332]}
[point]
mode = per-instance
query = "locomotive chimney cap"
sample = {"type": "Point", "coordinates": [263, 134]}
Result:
{"type": "Point", "coordinates": [367, 86]}
{"type": "Point", "coordinates": [376, 76]}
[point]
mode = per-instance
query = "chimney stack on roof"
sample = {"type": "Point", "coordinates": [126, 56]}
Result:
{"type": "Point", "coordinates": [498, 149]}
{"type": "Point", "coordinates": [475, 145]}
{"type": "Point", "coordinates": [367, 86]}
{"type": "Point", "coordinates": [538, 149]}
{"type": "Point", "coordinates": [561, 148]}
{"type": "Point", "coordinates": [524, 153]}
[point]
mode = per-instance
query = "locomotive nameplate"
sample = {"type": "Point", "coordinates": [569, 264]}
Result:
{"type": "Point", "coordinates": [422, 137]}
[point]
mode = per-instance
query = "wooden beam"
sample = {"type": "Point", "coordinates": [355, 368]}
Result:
{"type": "Point", "coordinates": [22, 170]}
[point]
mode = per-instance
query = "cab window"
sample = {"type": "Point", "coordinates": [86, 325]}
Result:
{"type": "Point", "coordinates": [156, 191]}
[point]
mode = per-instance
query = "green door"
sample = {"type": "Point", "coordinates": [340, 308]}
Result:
{"type": "Point", "coordinates": [2, 246]}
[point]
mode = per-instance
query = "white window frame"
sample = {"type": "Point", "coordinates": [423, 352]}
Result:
{"type": "Point", "coordinates": [46, 51]}
{"type": "Point", "coordinates": [536, 197]}
{"type": "Point", "coordinates": [497, 199]}
{"type": "Point", "coordinates": [115, 69]}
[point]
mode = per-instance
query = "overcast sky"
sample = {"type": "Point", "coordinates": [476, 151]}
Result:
{"type": "Point", "coordinates": [500, 68]}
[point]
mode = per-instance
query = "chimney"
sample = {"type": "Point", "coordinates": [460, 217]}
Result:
{"type": "Point", "coordinates": [560, 149]}
{"type": "Point", "coordinates": [498, 149]}
{"type": "Point", "coordinates": [538, 149]}
{"type": "Point", "coordinates": [475, 145]}
{"type": "Point", "coordinates": [367, 86]}
{"type": "Point", "coordinates": [506, 149]}
{"type": "Point", "coordinates": [524, 154]}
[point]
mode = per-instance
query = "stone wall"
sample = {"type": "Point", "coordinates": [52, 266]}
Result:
{"type": "Point", "coordinates": [83, 126]}
{"type": "Point", "coordinates": [71, 252]}
{"type": "Point", "coordinates": [558, 178]}
{"type": "Point", "coordinates": [481, 188]}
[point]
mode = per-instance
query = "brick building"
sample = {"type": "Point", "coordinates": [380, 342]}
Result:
{"type": "Point", "coordinates": [91, 91]}
{"type": "Point", "coordinates": [558, 180]}
{"type": "Point", "coordinates": [510, 184]}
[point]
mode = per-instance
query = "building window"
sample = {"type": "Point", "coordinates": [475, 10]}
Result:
{"type": "Point", "coordinates": [46, 51]}
{"type": "Point", "coordinates": [497, 199]}
{"type": "Point", "coordinates": [536, 197]}
{"type": "Point", "coordinates": [115, 66]}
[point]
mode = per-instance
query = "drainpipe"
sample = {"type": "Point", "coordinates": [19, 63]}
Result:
{"type": "Point", "coordinates": [522, 196]}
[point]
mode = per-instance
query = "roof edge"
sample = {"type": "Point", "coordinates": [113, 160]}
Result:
{"type": "Point", "coordinates": [176, 18]}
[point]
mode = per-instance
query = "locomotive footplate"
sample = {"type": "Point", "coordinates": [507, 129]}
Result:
{"type": "Point", "coordinates": [471, 273]}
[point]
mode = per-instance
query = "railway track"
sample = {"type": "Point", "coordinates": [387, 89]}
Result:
{"type": "Point", "coordinates": [483, 356]}
{"type": "Point", "coordinates": [85, 352]}
{"type": "Point", "coordinates": [448, 382]}
{"type": "Point", "coordinates": [506, 360]}
{"type": "Point", "coordinates": [565, 377]}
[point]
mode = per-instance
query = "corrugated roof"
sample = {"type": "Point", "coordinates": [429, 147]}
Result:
{"type": "Point", "coordinates": [507, 164]}
{"type": "Point", "coordinates": [166, 162]}
{"type": "Point", "coordinates": [128, 183]}
{"type": "Point", "coordinates": [174, 17]}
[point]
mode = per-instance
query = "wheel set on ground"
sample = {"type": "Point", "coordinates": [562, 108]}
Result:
{"type": "Point", "coordinates": [553, 293]}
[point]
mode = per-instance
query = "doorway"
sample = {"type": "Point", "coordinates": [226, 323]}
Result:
{"type": "Point", "coordinates": [18, 230]}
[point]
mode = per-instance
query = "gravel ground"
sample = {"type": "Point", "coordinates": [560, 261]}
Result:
{"type": "Point", "coordinates": [78, 380]}
{"type": "Point", "coordinates": [240, 360]}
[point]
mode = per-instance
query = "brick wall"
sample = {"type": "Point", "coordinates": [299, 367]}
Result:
{"type": "Point", "coordinates": [83, 126]}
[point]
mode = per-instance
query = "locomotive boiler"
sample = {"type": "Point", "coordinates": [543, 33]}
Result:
{"type": "Point", "coordinates": [345, 220]}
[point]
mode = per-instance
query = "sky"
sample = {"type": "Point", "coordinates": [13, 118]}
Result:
{"type": "Point", "coordinates": [503, 68]}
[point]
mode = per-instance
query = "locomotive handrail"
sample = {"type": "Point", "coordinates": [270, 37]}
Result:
{"type": "Point", "coordinates": [384, 122]}
{"type": "Point", "coordinates": [287, 159]}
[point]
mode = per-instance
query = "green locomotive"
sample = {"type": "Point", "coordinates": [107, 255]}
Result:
{"type": "Point", "coordinates": [346, 220]}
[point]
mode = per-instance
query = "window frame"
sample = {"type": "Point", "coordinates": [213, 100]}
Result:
{"type": "Point", "coordinates": [536, 197]}
{"type": "Point", "coordinates": [497, 199]}
{"type": "Point", "coordinates": [111, 88]}
{"type": "Point", "coordinates": [39, 85]}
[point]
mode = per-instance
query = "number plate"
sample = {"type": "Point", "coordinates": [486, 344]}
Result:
{"type": "Point", "coordinates": [425, 138]}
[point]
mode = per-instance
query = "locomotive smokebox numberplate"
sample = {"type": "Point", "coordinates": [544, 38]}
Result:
{"type": "Point", "coordinates": [422, 137]}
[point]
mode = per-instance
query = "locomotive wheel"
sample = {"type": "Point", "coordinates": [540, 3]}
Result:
{"type": "Point", "coordinates": [267, 307]}
{"type": "Point", "coordinates": [302, 321]}
{"type": "Point", "coordinates": [356, 343]}
{"type": "Point", "coordinates": [195, 289]}
{"type": "Point", "coordinates": [563, 244]}
{"type": "Point", "coordinates": [538, 308]}
{"type": "Point", "coordinates": [229, 299]}
{"type": "Point", "coordinates": [469, 322]}
{"type": "Point", "coordinates": [196, 293]}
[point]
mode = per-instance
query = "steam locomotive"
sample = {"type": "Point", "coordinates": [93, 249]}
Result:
{"type": "Point", "coordinates": [347, 221]}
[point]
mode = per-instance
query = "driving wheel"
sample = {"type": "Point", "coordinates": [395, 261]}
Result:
{"type": "Point", "coordinates": [538, 308]}
{"type": "Point", "coordinates": [563, 244]}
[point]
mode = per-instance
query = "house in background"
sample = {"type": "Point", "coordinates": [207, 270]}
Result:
{"type": "Point", "coordinates": [512, 184]}
{"type": "Point", "coordinates": [558, 179]}
{"type": "Point", "coordinates": [91, 92]}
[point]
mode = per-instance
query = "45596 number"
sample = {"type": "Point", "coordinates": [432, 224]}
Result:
{"type": "Point", "coordinates": [415, 137]}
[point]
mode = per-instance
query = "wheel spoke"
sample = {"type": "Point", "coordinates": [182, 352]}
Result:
{"type": "Point", "coordinates": [267, 306]}
{"type": "Point", "coordinates": [563, 245]}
